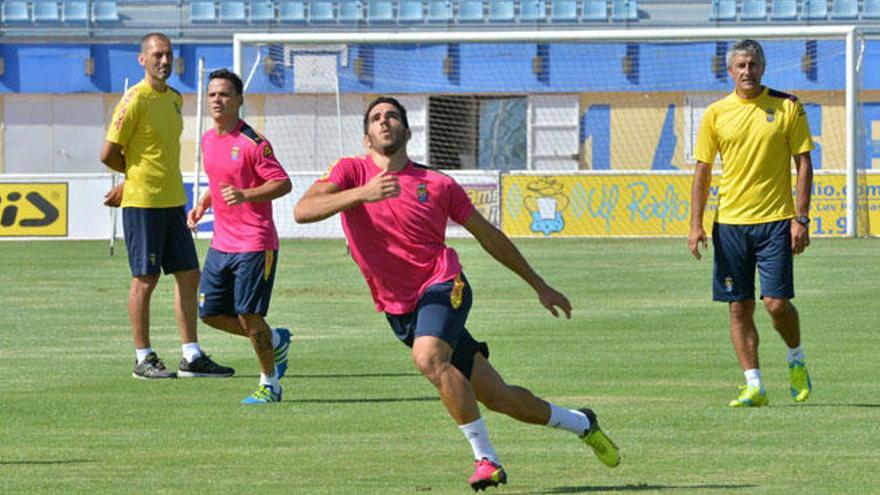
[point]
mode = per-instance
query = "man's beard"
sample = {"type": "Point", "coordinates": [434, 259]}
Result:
{"type": "Point", "coordinates": [390, 148]}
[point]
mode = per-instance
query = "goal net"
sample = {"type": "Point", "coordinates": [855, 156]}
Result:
{"type": "Point", "coordinates": [492, 107]}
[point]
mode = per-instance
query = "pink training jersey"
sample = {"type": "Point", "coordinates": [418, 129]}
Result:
{"type": "Point", "coordinates": [399, 243]}
{"type": "Point", "coordinates": [244, 159]}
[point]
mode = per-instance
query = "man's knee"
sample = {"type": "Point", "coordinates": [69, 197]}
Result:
{"type": "Point", "coordinates": [215, 321]}
{"type": "Point", "coordinates": [778, 307]}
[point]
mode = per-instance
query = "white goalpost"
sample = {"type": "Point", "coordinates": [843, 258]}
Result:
{"type": "Point", "coordinates": [537, 100]}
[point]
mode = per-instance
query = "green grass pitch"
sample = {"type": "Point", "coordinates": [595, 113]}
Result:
{"type": "Point", "coordinates": [646, 348]}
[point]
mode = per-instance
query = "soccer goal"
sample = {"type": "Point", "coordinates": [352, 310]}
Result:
{"type": "Point", "coordinates": [537, 101]}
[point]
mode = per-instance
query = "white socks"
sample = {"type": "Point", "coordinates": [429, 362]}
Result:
{"type": "Point", "coordinates": [753, 378]}
{"type": "Point", "coordinates": [142, 354]}
{"type": "Point", "coordinates": [795, 354]}
{"type": "Point", "coordinates": [270, 381]}
{"type": "Point", "coordinates": [191, 351]}
{"type": "Point", "coordinates": [478, 436]}
{"type": "Point", "coordinates": [568, 419]}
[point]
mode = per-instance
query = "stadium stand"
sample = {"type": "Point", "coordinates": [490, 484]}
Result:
{"type": "Point", "coordinates": [15, 11]}
{"type": "Point", "coordinates": [845, 9]}
{"type": "Point", "coordinates": [533, 11]}
{"type": "Point", "coordinates": [754, 10]}
{"type": "Point", "coordinates": [595, 10]}
{"type": "Point", "coordinates": [723, 10]}
{"type": "Point", "coordinates": [232, 11]}
{"type": "Point", "coordinates": [202, 11]}
{"type": "Point", "coordinates": [261, 11]}
{"type": "Point", "coordinates": [815, 9]}
{"type": "Point", "coordinates": [784, 10]}
{"type": "Point", "coordinates": [351, 11]}
{"type": "Point", "coordinates": [502, 11]}
{"type": "Point", "coordinates": [563, 11]}
{"type": "Point", "coordinates": [74, 11]}
{"type": "Point", "coordinates": [321, 11]}
{"type": "Point", "coordinates": [292, 11]}
{"type": "Point", "coordinates": [470, 11]}
{"type": "Point", "coordinates": [46, 11]}
{"type": "Point", "coordinates": [440, 11]}
{"type": "Point", "coordinates": [871, 9]}
{"type": "Point", "coordinates": [105, 11]}
{"type": "Point", "coordinates": [380, 11]}
{"type": "Point", "coordinates": [410, 11]}
{"type": "Point", "coordinates": [624, 10]}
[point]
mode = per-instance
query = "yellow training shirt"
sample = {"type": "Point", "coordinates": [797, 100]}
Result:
{"type": "Point", "coordinates": [147, 124]}
{"type": "Point", "coordinates": [756, 139]}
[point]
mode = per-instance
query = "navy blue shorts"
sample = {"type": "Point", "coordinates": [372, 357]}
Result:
{"type": "Point", "coordinates": [237, 283]}
{"type": "Point", "coordinates": [740, 248]}
{"type": "Point", "coordinates": [158, 238]}
{"type": "Point", "coordinates": [442, 312]}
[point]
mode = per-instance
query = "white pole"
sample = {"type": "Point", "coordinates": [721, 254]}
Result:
{"type": "Point", "coordinates": [114, 178]}
{"type": "Point", "coordinates": [200, 95]}
{"type": "Point", "coordinates": [338, 111]}
{"type": "Point", "coordinates": [851, 162]}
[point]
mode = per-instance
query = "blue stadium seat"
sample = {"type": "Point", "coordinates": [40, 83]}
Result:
{"type": "Point", "coordinates": [46, 11]}
{"type": "Point", "coordinates": [845, 9]}
{"type": "Point", "coordinates": [815, 9]}
{"type": "Point", "coordinates": [293, 11]}
{"type": "Point", "coordinates": [16, 11]}
{"type": "Point", "coordinates": [754, 10]}
{"type": "Point", "coordinates": [533, 11]}
{"type": "Point", "coordinates": [410, 11]}
{"type": "Point", "coordinates": [470, 11]}
{"type": "Point", "coordinates": [351, 11]}
{"type": "Point", "coordinates": [321, 11]}
{"type": "Point", "coordinates": [232, 11]}
{"type": "Point", "coordinates": [379, 11]}
{"type": "Point", "coordinates": [871, 9]}
{"type": "Point", "coordinates": [595, 10]}
{"type": "Point", "coordinates": [563, 10]}
{"type": "Point", "coordinates": [262, 11]}
{"type": "Point", "coordinates": [74, 11]}
{"type": "Point", "coordinates": [501, 11]}
{"type": "Point", "coordinates": [105, 11]}
{"type": "Point", "coordinates": [783, 10]}
{"type": "Point", "coordinates": [624, 10]}
{"type": "Point", "coordinates": [439, 11]}
{"type": "Point", "coordinates": [723, 10]}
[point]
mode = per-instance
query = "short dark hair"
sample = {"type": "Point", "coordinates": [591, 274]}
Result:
{"type": "Point", "coordinates": [229, 76]}
{"type": "Point", "coordinates": [390, 101]}
{"type": "Point", "coordinates": [147, 37]}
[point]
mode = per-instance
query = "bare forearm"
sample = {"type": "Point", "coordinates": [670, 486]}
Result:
{"type": "Point", "coordinates": [700, 193]}
{"type": "Point", "coordinates": [804, 184]}
{"type": "Point", "coordinates": [500, 247]}
{"type": "Point", "coordinates": [316, 207]}
{"type": "Point", "coordinates": [267, 192]}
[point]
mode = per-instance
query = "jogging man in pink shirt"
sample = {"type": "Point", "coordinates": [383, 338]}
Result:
{"type": "Point", "coordinates": [239, 272]}
{"type": "Point", "coordinates": [394, 214]}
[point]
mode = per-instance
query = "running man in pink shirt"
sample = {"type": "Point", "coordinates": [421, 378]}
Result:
{"type": "Point", "coordinates": [239, 271]}
{"type": "Point", "coordinates": [394, 214]}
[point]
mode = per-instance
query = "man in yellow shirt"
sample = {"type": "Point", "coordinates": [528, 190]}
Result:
{"type": "Point", "coordinates": [757, 131]}
{"type": "Point", "coordinates": [143, 142]}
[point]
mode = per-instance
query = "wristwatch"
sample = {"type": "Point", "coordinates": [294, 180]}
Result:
{"type": "Point", "coordinates": [802, 219]}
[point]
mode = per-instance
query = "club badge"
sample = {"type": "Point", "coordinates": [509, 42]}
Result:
{"type": "Point", "coordinates": [233, 153]}
{"type": "Point", "coordinates": [422, 192]}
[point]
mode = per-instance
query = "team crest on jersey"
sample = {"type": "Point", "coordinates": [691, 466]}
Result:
{"type": "Point", "coordinates": [267, 151]}
{"type": "Point", "coordinates": [770, 115]}
{"type": "Point", "coordinates": [233, 154]}
{"type": "Point", "coordinates": [422, 192]}
{"type": "Point", "coordinates": [728, 284]}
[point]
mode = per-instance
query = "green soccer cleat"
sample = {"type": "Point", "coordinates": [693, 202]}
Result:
{"type": "Point", "coordinates": [605, 449]}
{"type": "Point", "coordinates": [750, 397]}
{"type": "Point", "coordinates": [801, 386]}
{"type": "Point", "coordinates": [263, 395]}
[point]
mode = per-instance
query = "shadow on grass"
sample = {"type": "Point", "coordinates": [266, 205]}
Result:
{"type": "Point", "coordinates": [365, 401]}
{"type": "Point", "coordinates": [831, 404]}
{"type": "Point", "coordinates": [643, 487]}
{"type": "Point", "coordinates": [44, 463]}
{"type": "Point", "coordinates": [336, 375]}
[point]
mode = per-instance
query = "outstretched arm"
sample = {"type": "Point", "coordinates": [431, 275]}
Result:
{"type": "Point", "coordinates": [699, 196]}
{"type": "Point", "coordinates": [502, 249]}
{"type": "Point", "coordinates": [198, 211]}
{"type": "Point", "coordinates": [324, 199]}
